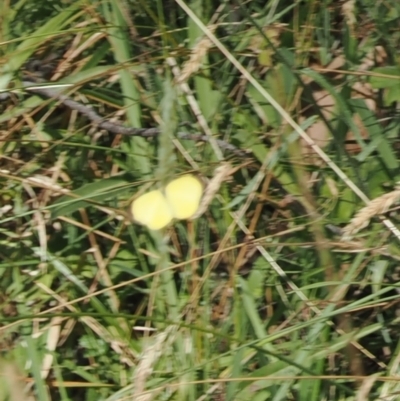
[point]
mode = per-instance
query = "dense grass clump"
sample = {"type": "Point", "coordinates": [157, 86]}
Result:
{"type": "Point", "coordinates": [284, 285]}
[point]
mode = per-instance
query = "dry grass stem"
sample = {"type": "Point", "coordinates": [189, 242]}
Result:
{"type": "Point", "coordinates": [196, 58]}
{"type": "Point", "coordinates": [213, 186]}
{"type": "Point", "coordinates": [149, 357]}
{"type": "Point", "coordinates": [376, 207]}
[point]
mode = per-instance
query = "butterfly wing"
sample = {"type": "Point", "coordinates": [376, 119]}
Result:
{"type": "Point", "coordinates": [152, 210]}
{"type": "Point", "coordinates": [184, 195]}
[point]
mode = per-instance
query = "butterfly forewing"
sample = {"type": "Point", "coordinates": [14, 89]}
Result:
{"type": "Point", "coordinates": [184, 195]}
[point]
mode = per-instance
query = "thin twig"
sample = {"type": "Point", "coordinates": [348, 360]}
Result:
{"type": "Point", "coordinates": [115, 128]}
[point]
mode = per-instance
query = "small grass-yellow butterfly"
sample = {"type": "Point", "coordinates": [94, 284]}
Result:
{"type": "Point", "coordinates": [180, 199]}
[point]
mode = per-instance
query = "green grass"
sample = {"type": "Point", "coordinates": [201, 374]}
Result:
{"type": "Point", "coordinates": [258, 299]}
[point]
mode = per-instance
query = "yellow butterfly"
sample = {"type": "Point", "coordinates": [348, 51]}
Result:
{"type": "Point", "coordinates": [179, 200]}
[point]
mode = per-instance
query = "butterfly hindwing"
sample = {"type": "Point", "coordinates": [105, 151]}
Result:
{"type": "Point", "coordinates": [152, 210]}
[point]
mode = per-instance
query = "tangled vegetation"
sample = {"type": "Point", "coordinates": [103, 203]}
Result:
{"type": "Point", "coordinates": [285, 285]}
